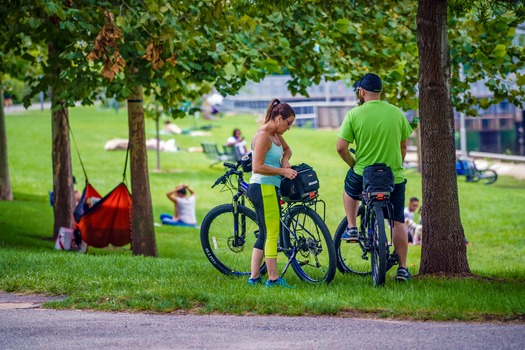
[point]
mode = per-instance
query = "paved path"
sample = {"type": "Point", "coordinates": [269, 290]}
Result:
{"type": "Point", "coordinates": [23, 325]}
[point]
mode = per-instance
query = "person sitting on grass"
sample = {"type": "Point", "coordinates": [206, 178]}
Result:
{"type": "Point", "coordinates": [183, 197]}
{"type": "Point", "coordinates": [414, 230]}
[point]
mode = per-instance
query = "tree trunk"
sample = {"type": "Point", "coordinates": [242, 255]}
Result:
{"type": "Point", "coordinates": [443, 248]}
{"type": "Point", "coordinates": [64, 195]}
{"type": "Point", "coordinates": [64, 199]}
{"type": "Point", "coordinates": [143, 232]}
{"type": "Point", "coordinates": [6, 193]}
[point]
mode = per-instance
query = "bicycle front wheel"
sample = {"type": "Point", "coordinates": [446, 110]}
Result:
{"type": "Point", "coordinates": [227, 239]}
{"type": "Point", "coordinates": [488, 176]}
{"type": "Point", "coordinates": [307, 235]}
{"type": "Point", "coordinates": [351, 257]}
{"type": "Point", "coordinates": [379, 247]}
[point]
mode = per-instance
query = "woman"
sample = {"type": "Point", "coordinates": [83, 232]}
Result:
{"type": "Point", "coordinates": [270, 162]}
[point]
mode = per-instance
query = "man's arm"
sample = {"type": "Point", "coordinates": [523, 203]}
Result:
{"type": "Point", "coordinates": [344, 152]}
{"type": "Point", "coordinates": [403, 149]}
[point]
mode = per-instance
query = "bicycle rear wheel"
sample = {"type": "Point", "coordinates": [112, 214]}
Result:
{"type": "Point", "coordinates": [308, 235]}
{"type": "Point", "coordinates": [351, 257]}
{"type": "Point", "coordinates": [227, 242]}
{"type": "Point", "coordinates": [379, 247]}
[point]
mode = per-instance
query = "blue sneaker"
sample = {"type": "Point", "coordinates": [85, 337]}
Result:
{"type": "Point", "coordinates": [255, 281]}
{"type": "Point", "coordinates": [279, 283]}
{"type": "Point", "coordinates": [351, 234]}
{"type": "Point", "coordinates": [402, 274]}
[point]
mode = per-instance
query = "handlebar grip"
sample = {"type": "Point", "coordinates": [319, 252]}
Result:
{"type": "Point", "coordinates": [219, 180]}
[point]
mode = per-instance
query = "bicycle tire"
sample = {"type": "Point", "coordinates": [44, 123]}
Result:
{"type": "Point", "coordinates": [379, 247]}
{"type": "Point", "coordinates": [351, 257]}
{"type": "Point", "coordinates": [315, 261]}
{"type": "Point", "coordinates": [488, 176]}
{"type": "Point", "coordinates": [219, 244]}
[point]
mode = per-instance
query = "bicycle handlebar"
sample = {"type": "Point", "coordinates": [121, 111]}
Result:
{"type": "Point", "coordinates": [233, 169]}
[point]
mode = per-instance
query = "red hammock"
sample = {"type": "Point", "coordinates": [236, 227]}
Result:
{"type": "Point", "coordinates": [103, 221]}
{"type": "Point", "coordinates": [108, 220]}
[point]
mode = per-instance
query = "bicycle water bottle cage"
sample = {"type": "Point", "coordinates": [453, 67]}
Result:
{"type": "Point", "coordinates": [378, 178]}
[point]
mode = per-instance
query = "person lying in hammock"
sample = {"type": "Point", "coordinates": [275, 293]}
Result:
{"type": "Point", "coordinates": [183, 197]}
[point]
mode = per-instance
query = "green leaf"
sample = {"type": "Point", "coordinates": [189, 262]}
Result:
{"type": "Point", "coordinates": [500, 50]}
{"type": "Point", "coordinates": [342, 25]}
{"type": "Point", "coordinates": [520, 79]}
{"type": "Point", "coordinates": [484, 103]}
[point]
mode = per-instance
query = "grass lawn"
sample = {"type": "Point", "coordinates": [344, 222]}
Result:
{"type": "Point", "coordinates": [181, 278]}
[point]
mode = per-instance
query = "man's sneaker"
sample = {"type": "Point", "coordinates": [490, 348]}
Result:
{"type": "Point", "coordinates": [279, 283]}
{"type": "Point", "coordinates": [255, 281]}
{"type": "Point", "coordinates": [402, 274]}
{"type": "Point", "coordinates": [393, 259]}
{"type": "Point", "coordinates": [351, 234]}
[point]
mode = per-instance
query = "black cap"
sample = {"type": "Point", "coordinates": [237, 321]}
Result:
{"type": "Point", "coordinates": [370, 82]}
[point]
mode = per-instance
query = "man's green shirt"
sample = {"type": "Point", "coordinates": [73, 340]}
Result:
{"type": "Point", "coordinates": [377, 128]}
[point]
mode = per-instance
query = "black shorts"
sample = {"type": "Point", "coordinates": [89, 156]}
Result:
{"type": "Point", "coordinates": [354, 188]}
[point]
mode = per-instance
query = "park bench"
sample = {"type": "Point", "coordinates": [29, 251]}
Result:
{"type": "Point", "coordinates": [211, 151]}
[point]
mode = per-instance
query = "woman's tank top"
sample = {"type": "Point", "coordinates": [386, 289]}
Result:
{"type": "Point", "coordinates": [273, 159]}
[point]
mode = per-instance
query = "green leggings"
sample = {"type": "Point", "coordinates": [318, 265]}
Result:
{"type": "Point", "coordinates": [268, 210]}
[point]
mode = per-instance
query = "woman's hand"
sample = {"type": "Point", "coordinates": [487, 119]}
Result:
{"type": "Point", "coordinates": [289, 173]}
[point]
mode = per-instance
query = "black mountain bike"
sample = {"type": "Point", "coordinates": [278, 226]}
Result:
{"type": "Point", "coordinates": [375, 239]}
{"type": "Point", "coordinates": [229, 231]}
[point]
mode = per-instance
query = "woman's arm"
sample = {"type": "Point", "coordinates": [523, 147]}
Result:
{"type": "Point", "coordinates": [287, 153]}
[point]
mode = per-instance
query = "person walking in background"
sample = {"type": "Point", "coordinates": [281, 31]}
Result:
{"type": "Point", "coordinates": [271, 161]}
{"type": "Point", "coordinates": [379, 131]}
{"type": "Point", "coordinates": [183, 197]}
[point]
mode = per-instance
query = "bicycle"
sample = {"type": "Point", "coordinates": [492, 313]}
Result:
{"type": "Point", "coordinates": [468, 168]}
{"type": "Point", "coordinates": [375, 239]}
{"type": "Point", "coordinates": [229, 231]}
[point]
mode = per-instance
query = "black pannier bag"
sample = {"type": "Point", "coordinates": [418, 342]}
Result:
{"type": "Point", "coordinates": [303, 187]}
{"type": "Point", "coordinates": [378, 177]}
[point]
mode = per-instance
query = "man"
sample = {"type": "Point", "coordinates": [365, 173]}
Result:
{"type": "Point", "coordinates": [379, 132]}
{"type": "Point", "coordinates": [413, 229]}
